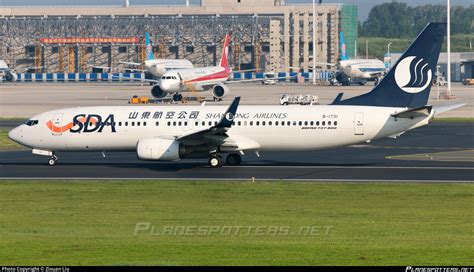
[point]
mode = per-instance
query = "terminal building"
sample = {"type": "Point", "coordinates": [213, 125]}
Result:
{"type": "Point", "coordinates": [267, 35]}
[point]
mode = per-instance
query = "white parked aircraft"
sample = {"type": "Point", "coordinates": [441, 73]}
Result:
{"type": "Point", "coordinates": [6, 73]}
{"type": "Point", "coordinates": [170, 133]}
{"type": "Point", "coordinates": [196, 79]}
{"type": "Point", "coordinates": [157, 67]}
{"type": "Point", "coordinates": [357, 70]}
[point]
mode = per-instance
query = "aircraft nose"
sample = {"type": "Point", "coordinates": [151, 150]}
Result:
{"type": "Point", "coordinates": [15, 135]}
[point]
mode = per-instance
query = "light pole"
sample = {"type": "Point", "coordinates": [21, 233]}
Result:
{"type": "Point", "coordinates": [314, 42]}
{"type": "Point", "coordinates": [388, 54]}
{"type": "Point", "coordinates": [449, 47]}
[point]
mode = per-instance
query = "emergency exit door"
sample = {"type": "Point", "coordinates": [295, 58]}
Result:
{"type": "Point", "coordinates": [57, 124]}
{"type": "Point", "coordinates": [359, 123]}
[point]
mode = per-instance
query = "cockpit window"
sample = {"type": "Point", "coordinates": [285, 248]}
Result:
{"type": "Point", "coordinates": [163, 77]}
{"type": "Point", "coordinates": [31, 123]}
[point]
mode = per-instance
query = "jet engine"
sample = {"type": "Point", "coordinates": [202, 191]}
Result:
{"type": "Point", "coordinates": [159, 149]}
{"type": "Point", "coordinates": [220, 90]}
{"type": "Point", "coordinates": [157, 92]}
{"type": "Point", "coordinates": [10, 76]}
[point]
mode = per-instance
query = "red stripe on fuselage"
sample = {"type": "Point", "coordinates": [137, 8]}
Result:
{"type": "Point", "coordinates": [219, 75]}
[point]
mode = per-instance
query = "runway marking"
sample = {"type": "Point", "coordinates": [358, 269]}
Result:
{"type": "Point", "coordinates": [76, 179]}
{"type": "Point", "coordinates": [352, 167]}
{"type": "Point", "coordinates": [447, 156]}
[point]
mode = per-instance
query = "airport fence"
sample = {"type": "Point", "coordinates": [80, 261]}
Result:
{"type": "Point", "coordinates": [140, 77]}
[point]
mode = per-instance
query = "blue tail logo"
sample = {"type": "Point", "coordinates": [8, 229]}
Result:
{"type": "Point", "coordinates": [149, 48]}
{"type": "Point", "coordinates": [413, 74]}
{"type": "Point", "coordinates": [344, 55]}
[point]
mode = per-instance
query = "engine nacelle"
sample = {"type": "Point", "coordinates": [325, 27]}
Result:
{"type": "Point", "coordinates": [11, 76]}
{"type": "Point", "coordinates": [157, 92]}
{"type": "Point", "coordinates": [220, 90]}
{"type": "Point", "coordinates": [159, 149]}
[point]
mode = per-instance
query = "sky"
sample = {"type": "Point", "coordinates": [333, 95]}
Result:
{"type": "Point", "coordinates": [364, 6]}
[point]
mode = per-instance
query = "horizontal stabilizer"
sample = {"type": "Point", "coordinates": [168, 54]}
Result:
{"type": "Point", "coordinates": [422, 111]}
{"type": "Point", "coordinates": [444, 108]}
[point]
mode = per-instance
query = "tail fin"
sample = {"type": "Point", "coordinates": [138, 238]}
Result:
{"type": "Point", "coordinates": [408, 83]}
{"type": "Point", "coordinates": [225, 51]}
{"type": "Point", "coordinates": [344, 55]}
{"type": "Point", "coordinates": [149, 48]}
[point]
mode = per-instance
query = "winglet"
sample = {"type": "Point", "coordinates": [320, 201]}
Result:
{"type": "Point", "coordinates": [337, 99]}
{"type": "Point", "coordinates": [228, 118]}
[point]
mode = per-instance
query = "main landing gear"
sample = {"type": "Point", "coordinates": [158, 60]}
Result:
{"type": "Point", "coordinates": [215, 161]}
{"type": "Point", "coordinates": [52, 160]}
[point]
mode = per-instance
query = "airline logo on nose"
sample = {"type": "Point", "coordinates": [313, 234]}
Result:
{"type": "Point", "coordinates": [413, 74]}
{"type": "Point", "coordinates": [84, 123]}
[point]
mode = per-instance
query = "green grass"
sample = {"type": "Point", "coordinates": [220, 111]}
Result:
{"type": "Point", "coordinates": [6, 143]}
{"type": "Point", "coordinates": [93, 223]}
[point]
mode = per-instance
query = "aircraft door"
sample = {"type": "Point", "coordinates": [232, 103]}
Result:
{"type": "Point", "coordinates": [57, 124]}
{"type": "Point", "coordinates": [359, 123]}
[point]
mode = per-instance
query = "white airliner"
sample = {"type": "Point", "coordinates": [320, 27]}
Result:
{"type": "Point", "coordinates": [196, 79]}
{"type": "Point", "coordinates": [170, 133]}
{"type": "Point", "coordinates": [6, 73]}
{"type": "Point", "coordinates": [357, 70]}
{"type": "Point", "coordinates": [157, 67]}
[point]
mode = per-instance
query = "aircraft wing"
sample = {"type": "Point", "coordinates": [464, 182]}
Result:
{"type": "Point", "coordinates": [141, 79]}
{"type": "Point", "coordinates": [217, 134]}
{"type": "Point", "coordinates": [131, 63]}
{"type": "Point", "coordinates": [257, 79]}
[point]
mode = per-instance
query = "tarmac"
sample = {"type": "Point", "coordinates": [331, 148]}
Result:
{"type": "Point", "coordinates": [440, 152]}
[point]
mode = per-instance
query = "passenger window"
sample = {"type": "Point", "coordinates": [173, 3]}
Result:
{"type": "Point", "coordinates": [311, 123]}
{"type": "Point", "coordinates": [196, 123]}
{"type": "Point", "coordinates": [263, 123]}
{"type": "Point", "coordinates": [317, 123]}
{"type": "Point", "coordinates": [203, 123]}
{"type": "Point", "coordinates": [215, 123]}
{"type": "Point", "coordinates": [126, 124]}
{"type": "Point", "coordinates": [294, 123]}
{"type": "Point", "coordinates": [251, 123]}
{"type": "Point", "coordinates": [239, 123]}
{"type": "Point", "coordinates": [185, 123]}
{"type": "Point", "coordinates": [324, 123]}
{"type": "Point", "coordinates": [120, 124]}
{"type": "Point", "coordinates": [174, 124]}
{"type": "Point", "coordinates": [138, 124]}
{"type": "Point", "coordinates": [133, 124]}
{"type": "Point", "coordinates": [269, 123]}
{"type": "Point", "coordinates": [179, 123]}
{"type": "Point", "coordinates": [329, 123]}
{"type": "Point", "coordinates": [258, 123]}
{"type": "Point", "coordinates": [169, 123]}
{"type": "Point", "coordinates": [157, 123]}
{"type": "Point", "coordinates": [335, 123]}
{"type": "Point", "coordinates": [210, 123]}
{"type": "Point", "coordinates": [305, 123]}
{"type": "Point", "coordinates": [245, 123]}
{"type": "Point", "coordinates": [288, 123]}
{"type": "Point", "coordinates": [276, 123]}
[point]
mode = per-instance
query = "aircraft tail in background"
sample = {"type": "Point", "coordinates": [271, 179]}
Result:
{"type": "Point", "coordinates": [344, 55]}
{"type": "Point", "coordinates": [149, 47]}
{"type": "Point", "coordinates": [225, 51]}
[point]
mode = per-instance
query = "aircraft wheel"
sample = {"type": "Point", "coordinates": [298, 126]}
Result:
{"type": "Point", "coordinates": [52, 161]}
{"type": "Point", "coordinates": [215, 161]}
{"type": "Point", "coordinates": [233, 159]}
